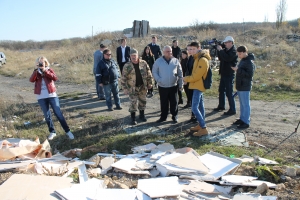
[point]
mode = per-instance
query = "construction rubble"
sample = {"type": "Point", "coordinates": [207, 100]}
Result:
{"type": "Point", "coordinates": [161, 171]}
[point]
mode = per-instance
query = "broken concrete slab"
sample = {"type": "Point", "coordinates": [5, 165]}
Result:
{"type": "Point", "coordinates": [23, 186]}
{"type": "Point", "coordinates": [86, 190]}
{"type": "Point", "coordinates": [252, 196]}
{"type": "Point", "coordinates": [111, 155]}
{"type": "Point", "coordinates": [165, 147]}
{"type": "Point", "coordinates": [160, 187]}
{"type": "Point", "coordinates": [265, 161]}
{"type": "Point", "coordinates": [290, 171]}
{"type": "Point", "coordinates": [106, 164]}
{"type": "Point", "coordinates": [127, 164]}
{"type": "Point", "coordinates": [144, 148]}
{"type": "Point", "coordinates": [244, 181]}
{"type": "Point", "coordinates": [218, 164]}
{"type": "Point", "coordinates": [83, 177]}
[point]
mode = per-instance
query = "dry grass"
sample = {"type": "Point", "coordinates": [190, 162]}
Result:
{"type": "Point", "coordinates": [272, 75]}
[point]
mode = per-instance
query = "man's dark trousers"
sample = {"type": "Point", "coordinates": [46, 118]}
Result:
{"type": "Point", "coordinates": [168, 96]}
{"type": "Point", "coordinates": [226, 88]}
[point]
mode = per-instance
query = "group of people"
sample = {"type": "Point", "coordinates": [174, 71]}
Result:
{"type": "Point", "coordinates": [171, 70]}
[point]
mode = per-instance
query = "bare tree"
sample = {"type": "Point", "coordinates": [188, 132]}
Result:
{"type": "Point", "coordinates": [280, 13]}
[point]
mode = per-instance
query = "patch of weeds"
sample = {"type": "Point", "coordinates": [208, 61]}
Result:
{"type": "Point", "coordinates": [279, 160]}
{"type": "Point", "coordinates": [75, 176]}
{"type": "Point", "coordinates": [284, 119]}
{"type": "Point", "coordinates": [265, 173]}
{"type": "Point", "coordinates": [101, 118]}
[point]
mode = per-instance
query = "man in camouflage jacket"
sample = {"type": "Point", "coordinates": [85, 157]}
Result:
{"type": "Point", "coordinates": [136, 80]}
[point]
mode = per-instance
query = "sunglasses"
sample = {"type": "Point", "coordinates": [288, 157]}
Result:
{"type": "Point", "coordinates": [108, 54]}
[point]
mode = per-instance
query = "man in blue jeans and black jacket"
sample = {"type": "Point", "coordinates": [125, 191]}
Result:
{"type": "Point", "coordinates": [228, 58]}
{"type": "Point", "coordinates": [107, 74]}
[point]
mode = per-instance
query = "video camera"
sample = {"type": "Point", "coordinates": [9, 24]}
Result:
{"type": "Point", "coordinates": [214, 43]}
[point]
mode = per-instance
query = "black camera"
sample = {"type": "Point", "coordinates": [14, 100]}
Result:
{"type": "Point", "coordinates": [40, 65]}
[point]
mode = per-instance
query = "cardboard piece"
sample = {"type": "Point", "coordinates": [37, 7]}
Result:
{"type": "Point", "coordinates": [86, 190]}
{"type": "Point", "coordinates": [244, 181]}
{"type": "Point", "coordinates": [189, 161]}
{"type": "Point", "coordinates": [23, 186]}
{"type": "Point", "coordinates": [127, 164]}
{"type": "Point", "coordinates": [13, 147]}
{"type": "Point", "coordinates": [160, 187]}
{"type": "Point", "coordinates": [166, 169]}
{"type": "Point", "coordinates": [106, 163]}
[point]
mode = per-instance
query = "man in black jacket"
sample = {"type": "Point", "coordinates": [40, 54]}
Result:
{"type": "Point", "coordinates": [244, 77]}
{"type": "Point", "coordinates": [107, 74]}
{"type": "Point", "coordinates": [228, 59]}
{"type": "Point", "coordinates": [123, 54]}
{"type": "Point", "coordinates": [176, 51]}
{"type": "Point", "coordinates": [155, 48]}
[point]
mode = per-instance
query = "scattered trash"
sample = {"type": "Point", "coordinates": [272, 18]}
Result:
{"type": "Point", "coordinates": [27, 123]}
{"type": "Point", "coordinates": [259, 145]}
{"type": "Point", "coordinates": [162, 171]}
{"type": "Point", "coordinates": [292, 63]}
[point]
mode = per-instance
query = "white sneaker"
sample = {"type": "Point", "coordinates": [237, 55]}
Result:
{"type": "Point", "coordinates": [51, 136]}
{"type": "Point", "coordinates": [70, 135]}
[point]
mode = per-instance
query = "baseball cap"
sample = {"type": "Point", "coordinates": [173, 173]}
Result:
{"type": "Point", "coordinates": [228, 38]}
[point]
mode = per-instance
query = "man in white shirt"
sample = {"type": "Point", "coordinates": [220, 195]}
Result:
{"type": "Point", "coordinates": [123, 54]}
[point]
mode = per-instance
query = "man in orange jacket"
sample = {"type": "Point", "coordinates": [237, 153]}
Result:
{"type": "Point", "coordinates": [200, 68]}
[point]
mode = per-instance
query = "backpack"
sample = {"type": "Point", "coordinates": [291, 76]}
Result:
{"type": "Point", "coordinates": [207, 82]}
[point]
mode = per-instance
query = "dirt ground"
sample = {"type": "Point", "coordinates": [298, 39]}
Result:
{"type": "Point", "coordinates": [272, 123]}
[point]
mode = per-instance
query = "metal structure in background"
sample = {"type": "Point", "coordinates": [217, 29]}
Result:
{"type": "Point", "coordinates": [139, 29]}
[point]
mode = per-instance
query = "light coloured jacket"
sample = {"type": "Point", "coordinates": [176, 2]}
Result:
{"type": "Point", "coordinates": [128, 79]}
{"type": "Point", "coordinates": [200, 69]}
{"type": "Point", "coordinates": [167, 75]}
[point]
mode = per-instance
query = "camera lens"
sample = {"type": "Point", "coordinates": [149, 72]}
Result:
{"type": "Point", "coordinates": [40, 64]}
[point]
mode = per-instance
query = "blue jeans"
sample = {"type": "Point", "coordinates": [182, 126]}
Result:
{"type": "Point", "coordinates": [226, 87]}
{"type": "Point", "coordinates": [112, 88]}
{"type": "Point", "coordinates": [245, 108]}
{"type": "Point", "coordinates": [198, 107]}
{"type": "Point", "coordinates": [54, 103]}
{"type": "Point", "coordinates": [99, 90]}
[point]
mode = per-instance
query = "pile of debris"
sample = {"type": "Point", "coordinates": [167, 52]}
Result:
{"type": "Point", "coordinates": [162, 172]}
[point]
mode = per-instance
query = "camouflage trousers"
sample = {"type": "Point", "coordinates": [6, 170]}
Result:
{"type": "Point", "coordinates": [138, 99]}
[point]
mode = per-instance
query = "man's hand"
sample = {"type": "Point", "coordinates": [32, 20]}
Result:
{"type": "Point", "coordinates": [219, 48]}
{"type": "Point", "coordinates": [101, 84]}
{"type": "Point", "coordinates": [234, 68]}
{"type": "Point", "coordinates": [181, 89]}
{"type": "Point", "coordinates": [150, 86]}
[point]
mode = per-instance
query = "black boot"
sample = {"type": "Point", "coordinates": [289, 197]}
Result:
{"type": "Point", "coordinates": [142, 116]}
{"type": "Point", "coordinates": [133, 121]}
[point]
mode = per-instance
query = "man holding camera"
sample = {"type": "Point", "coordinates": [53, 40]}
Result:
{"type": "Point", "coordinates": [228, 58]}
{"type": "Point", "coordinates": [136, 80]}
{"type": "Point", "coordinates": [107, 74]}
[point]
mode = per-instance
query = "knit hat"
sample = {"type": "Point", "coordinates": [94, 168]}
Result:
{"type": "Point", "coordinates": [133, 51]}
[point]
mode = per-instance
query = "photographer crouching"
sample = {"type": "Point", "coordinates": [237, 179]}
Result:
{"type": "Point", "coordinates": [228, 58]}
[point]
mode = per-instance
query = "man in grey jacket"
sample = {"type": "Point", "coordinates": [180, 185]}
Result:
{"type": "Point", "coordinates": [167, 72]}
{"type": "Point", "coordinates": [98, 55]}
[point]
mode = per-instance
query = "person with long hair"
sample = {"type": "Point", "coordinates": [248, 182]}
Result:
{"type": "Point", "coordinates": [43, 78]}
{"type": "Point", "coordinates": [150, 59]}
{"type": "Point", "coordinates": [183, 61]}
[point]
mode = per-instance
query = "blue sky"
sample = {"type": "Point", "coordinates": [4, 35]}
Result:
{"type": "Point", "coordinates": [58, 19]}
